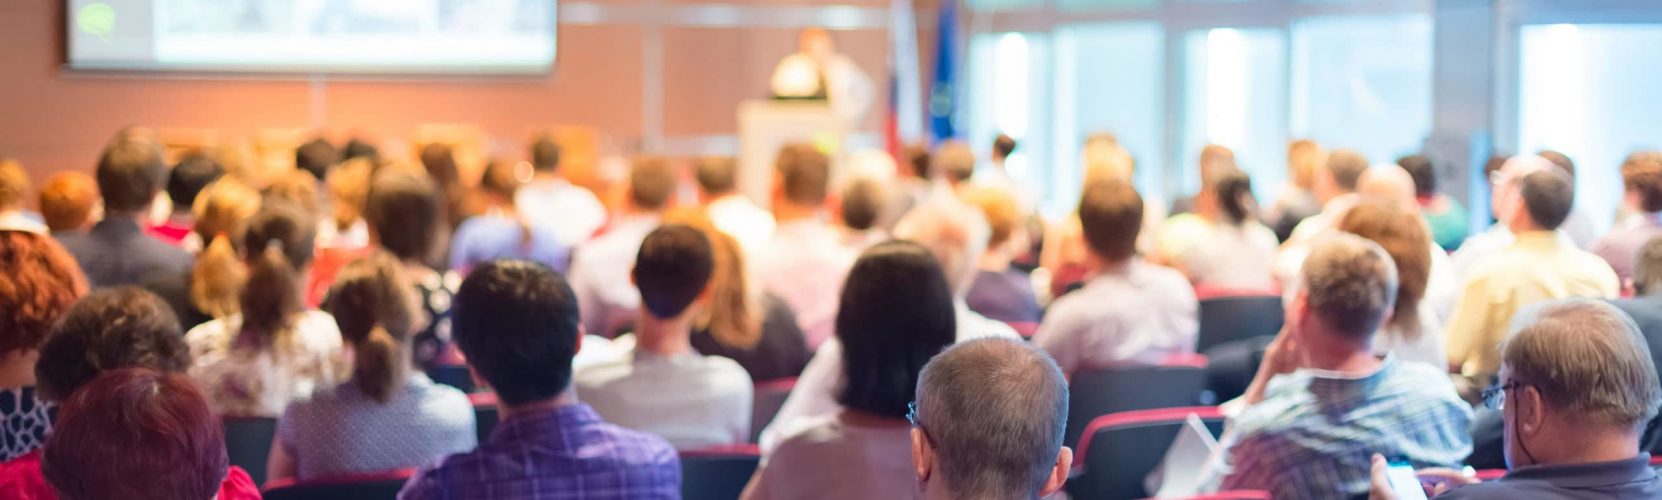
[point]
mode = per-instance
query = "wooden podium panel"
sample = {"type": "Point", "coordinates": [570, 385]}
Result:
{"type": "Point", "coordinates": [766, 125]}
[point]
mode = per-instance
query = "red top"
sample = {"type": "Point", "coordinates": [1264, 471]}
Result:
{"type": "Point", "coordinates": [171, 232]}
{"type": "Point", "coordinates": [20, 479]}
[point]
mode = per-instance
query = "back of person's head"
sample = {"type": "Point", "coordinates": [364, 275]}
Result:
{"type": "Point", "coordinates": [1003, 146]}
{"type": "Point", "coordinates": [1233, 191]}
{"type": "Point", "coordinates": [1105, 159]}
{"type": "Point", "coordinates": [955, 233]}
{"type": "Point", "coordinates": [1548, 195]}
{"type": "Point", "coordinates": [994, 411]}
{"type": "Point", "coordinates": [804, 175]}
{"type": "Point", "coordinates": [1349, 284]}
{"type": "Point", "coordinates": [189, 177]}
{"type": "Point", "coordinates": [110, 328]}
{"type": "Point", "coordinates": [136, 434]}
{"type": "Point", "coordinates": [717, 175]}
{"type": "Point", "coordinates": [1587, 361]}
{"type": "Point", "coordinates": [955, 161]}
{"type": "Point", "coordinates": [516, 322]}
{"type": "Point", "coordinates": [1388, 182]}
{"type": "Point", "coordinates": [652, 183]}
{"type": "Point", "coordinates": [545, 154]}
{"type": "Point", "coordinates": [217, 277]}
{"type": "Point", "coordinates": [403, 213]}
{"type": "Point", "coordinates": [733, 315]}
{"type": "Point", "coordinates": [440, 163]}
{"type": "Point", "coordinates": [376, 308]}
{"type": "Point", "coordinates": [359, 148]}
{"type": "Point", "coordinates": [915, 159]}
{"type": "Point", "coordinates": [1303, 156]}
{"type": "Point", "coordinates": [1647, 268]}
{"type": "Point", "coordinates": [1643, 179]}
{"type": "Point", "coordinates": [67, 200]}
{"type": "Point", "coordinates": [1346, 167]}
{"type": "Point", "coordinates": [1562, 161]}
{"type": "Point", "coordinates": [297, 189]}
{"type": "Point", "coordinates": [672, 269]}
{"type": "Point", "coordinates": [130, 173]}
{"type": "Point", "coordinates": [316, 157]}
{"type": "Point", "coordinates": [277, 243]}
{"type": "Point", "coordinates": [222, 207]}
{"type": "Point", "coordinates": [41, 280]}
{"type": "Point", "coordinates": [14, 185]}
{"type": "Point", "coordinates": [348, 189]}
{"type": "Point", "coordinates": [1406, 239]}
{"type": "Point", "coordinates": [1001, 211]}
{"type": "Point", "coordinates": [1420, 169]}
{"type": "Point", "coordinates": [503, 179]}
{"type": "Point", "coordinates": [1216, 158]}
{"type": "Point", "coordinates": [1111, 215]}
{"type": "Point", "coordinates": [863, 200]}
{"type": "Point", "coordinates": [885, 341]}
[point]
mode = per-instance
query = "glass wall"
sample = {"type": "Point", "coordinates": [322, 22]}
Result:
{"type": "Point", "coordinates": [1009, 93]}
{"type": "Point", "coordinates": [1235, 95]}
{"type": "Point", "coordinates": [1363, 82]}
{"type": "Point", "coordinates": [1110, 76]}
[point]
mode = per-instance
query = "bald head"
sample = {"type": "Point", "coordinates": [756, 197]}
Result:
{"type": "Point", "coordinates": [956, 233]}
{"type": "Point", "coordinates": [1215, 160]}
{"type": "Point", "coordinates": [1588, 360]}
{"type": "Point", "coordinates": [996, 410]}
{"type": "Point", "coordinates": [1390, 183]}
{"type": "Point", "coordinates": [1350, 285]}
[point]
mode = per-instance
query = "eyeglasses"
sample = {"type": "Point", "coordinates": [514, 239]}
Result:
{"type": "Point", "coordinates": [1495, 397]}
{"type": "Point", "coordinates": [912, 416]}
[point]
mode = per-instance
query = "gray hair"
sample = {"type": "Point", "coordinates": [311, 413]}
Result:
{"type": "Point", "coordinates": [1350, 282]}
{"type": "Point", "coordinates": [995, 410]}
{"type": "Point", "coordinates": [1647, 267]}
{"type": "Point", "coordinates": [1587, 359]}
{"type": "Point", "coordinates": [954, 232]}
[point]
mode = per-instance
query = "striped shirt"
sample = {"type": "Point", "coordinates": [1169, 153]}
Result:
{"type": "Point", "coordinates": [567, 453]}
{"type": "Point", "coordinates": [1313, 434]}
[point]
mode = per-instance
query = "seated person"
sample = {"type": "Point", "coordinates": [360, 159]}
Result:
{"type": "Point", "coordinates": [1000, 291]}
{"type": "Point", "coordinates": [14, 191]}
{"type": "Point", "coordinates": [67, 202]}
{"type": "Point", "coordinates": [516, 322]}
{"type": "Point", "coordinates": [1230, 249]}
{"type": "Point", "coordinates": [388, 416]}
{"type": "Point", "coordinates": [40, 284]}
{"type": "Point", "coordinates": [663, 386]}
{"type": "Point", "coordinates": [1577, 386]}
{"type": "Point", "coordinates": [1129, 312]}
{"type": "Point", "coordinates": [741, 322]}
{"type": "Point", "coordinates": [804, 263]}
{"type": "Point", "coordinates": [188, 178]}
{"type": "Point", "coordinates": [1323, 401]}
{"type": "Point", "coordinates": [116, 251]}
{"type": "Point", "coordinates": [988, 423]}
{"type": "Point", "coordinates": [600, 268]}
{"type": "Point", "coordinates": [503, 232]}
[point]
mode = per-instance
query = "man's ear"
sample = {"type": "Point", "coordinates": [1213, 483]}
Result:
{"type": "Point", "coordinates": [1058, 473]}
{"type": "Point", "coordinates": [923, 458]}
{"type": "Point", "coordinates": [1531, 416]}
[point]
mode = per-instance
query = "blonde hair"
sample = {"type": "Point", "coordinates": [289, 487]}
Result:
{"type": "Point", "coordinates": [217, 278]}
{"type": "Point", "coordinates": [348, 186]}
{"type": "Point", "coordinates": [734, 315]}
{"type": "Point", "coordinates": [1000, 208]}
{"type": "Point", "coordinates": [297, 187]}
{"type": "Point", "coordinates": [14, 184]}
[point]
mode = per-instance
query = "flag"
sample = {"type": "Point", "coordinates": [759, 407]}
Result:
{"type": "Point", "coordinates": [943, 93]}
{"type": "Point", "coordinates": [904, 122]}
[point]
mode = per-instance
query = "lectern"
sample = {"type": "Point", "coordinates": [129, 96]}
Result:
{"type": "Point", "coordinates": [766, 125]}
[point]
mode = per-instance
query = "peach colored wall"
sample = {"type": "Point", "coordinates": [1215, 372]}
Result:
{"type": "Point", "coordinates": [52, 119]}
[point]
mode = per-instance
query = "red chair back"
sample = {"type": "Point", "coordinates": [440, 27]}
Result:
{"type": "Point", "coordinates": [1094, 393]}
{"type": "Point", "coordinates": [376, 486]}
{"type": "Point", "coordinates": [1118, 451]}
{"type": "Point", "coordinates": [718, 473]}
{"type": "Point", "coordinates": [765, 404]}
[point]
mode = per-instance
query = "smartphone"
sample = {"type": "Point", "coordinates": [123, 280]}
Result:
{"type": "Point", "coordinates": [1403, 481]}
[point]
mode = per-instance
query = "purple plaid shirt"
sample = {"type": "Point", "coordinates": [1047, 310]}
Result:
{"type": "Point", "coordinates": [568, 453]}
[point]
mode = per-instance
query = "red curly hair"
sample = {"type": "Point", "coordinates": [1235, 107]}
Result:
{"type": "Point", "coordinates": [40, 282]}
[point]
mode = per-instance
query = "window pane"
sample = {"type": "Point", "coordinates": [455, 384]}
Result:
{"type": "Point", "coordinates": [1107, 4]}
{"type": "Point", "coordinates": [1109, 80]}
{"type": "Point", "coordinates": [1008, 89]}
{"type": "Point", "coordinates": [1590, 92]}
{"type": "Point", "coordinates": [1363, 83]}
{"type": "Point", "coordinates": [1235, 94]}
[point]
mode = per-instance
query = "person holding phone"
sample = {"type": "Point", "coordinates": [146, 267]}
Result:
{"type": "Point", "coordinates": [1577, 386]}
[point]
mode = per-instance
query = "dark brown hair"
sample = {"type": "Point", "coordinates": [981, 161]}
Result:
{"type": "Point", "coordinates": [111, 328]}
{"type": "Point", "coordinates": [1644, 176]}
{"type": "Point", "coordinates": [651, 183]}
{"type": "Point", "coordinates": [130, 172]}
{"type": "Point", "coordinates": [1111, 215]}
{"type": "Point", "coordinates": [804, 174]}
{"type": "Point", "coordinates": [277, 244]}
{"type": "Point", "coordinates": [404, 211]}
{"type": "Point", "coordinates": [376, 310]}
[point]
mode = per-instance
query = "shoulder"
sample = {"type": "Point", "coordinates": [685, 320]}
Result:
{"type": "Point", "coordinates": [810, 434]}
{"type": "Point", "coordinates": [728, 372]}
{"type": "Point", "coordinates": [637, 448]}
{"type": "Point", "coordinates": [318, 329]}
{"type": "Point", "coordinates": [212, 334]}
{"type": "Point", "coordinates": [607, 371]}
{"type": "Point", "coordinates": [1495, 490]}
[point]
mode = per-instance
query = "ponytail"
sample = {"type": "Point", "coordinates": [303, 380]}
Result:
{"type": "Point", "coordinates": [377, 364]}
{"type": "Point", "coordinates": [272, 294]}
{"type": "Point", "coordinates": [1234, 193]}
{"type": "Point", "coordinates": [216, 280]}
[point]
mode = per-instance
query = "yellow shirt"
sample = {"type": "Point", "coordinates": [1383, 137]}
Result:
{"type": "Point", "coordinates": [1538, 267]}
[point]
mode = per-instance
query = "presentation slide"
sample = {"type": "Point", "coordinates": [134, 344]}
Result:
{"type": "Point", "coordinates": [314, 36]}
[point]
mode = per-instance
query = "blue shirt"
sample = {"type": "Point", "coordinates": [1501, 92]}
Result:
{"type": "Point", "coordinates": [485, 238]}
{"type": "Point", "coordinates": [1315, 432]}
{"type": "Point", "coordinates": [564, 453]}
{"type": "Point", "coordinates": [1631, 478]}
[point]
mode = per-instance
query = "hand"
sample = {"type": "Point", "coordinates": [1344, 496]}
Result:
{"type": "Point", "coordinates": [1282, 355]}
{"type": "Point", "coordinates": [1440, 480]}
{"type": "Point", "coordinates": [1379, 486]}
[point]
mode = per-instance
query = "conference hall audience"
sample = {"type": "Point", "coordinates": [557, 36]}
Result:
{"type": "Point", "coordinates": [187, 180]}
{"type": "Point", "coordinates": [979, 389]}
{"type": "Point", "coordinates": [661, 385]}
{"type": "Point", "coordinates": [742, 322]}
{"type": "Point", "coordinates": [954, 162]}
{"type": "Point", "coordinates": [997, 174]}
{"type": "Point", "coordinates": [999, 291]}
{"type": "Point", "coordinates": [14, 191]}
{"type": "Point", "coordinates": [1065, 251]}
{"type": "Point", "coordinates": [1229, 249]}
{"type": "Point", "coordinates": [859, 204]}
{"type": "Point", "coordinates": [1335, 188]}
{"type": "Point", "coordinates": [274, 350]}
{"type": "Point", "coordinates": [405, 217]}
{"type": "Point", "coordinates": [68, 202]}
{"type": "Point", "coordinates": [439, 161]}
{"type": "Point", "coordinates": [1539, 265]}
{"type": "Point", "coordinates": [803, 262]}
{"type": "Point", "coordinates": [1577, 387]}
{"type": "Point", "coordinates": [731, 211]}
{"type": "Point", "coordinates": [1129, 312]}
{"type": "Point", "coordinates": [600, 268]}
{"type": "Point", "coordinates": [1645, 307]}
{"type": "Point", "coordinates": [1445, 215]}
{"type": "Point", "coordinates": [550, 199]}
{"type": "Point", "coordinates": [317, 157]}
{"type": "Point", "coordinates": [1214, 159]}
{"type": "Point", "coordinates": [116, 251]}
{"type": "Point", "coordinates": [1323, 401]}
{"type": "Point", "coordinates": [864, 449]}
{"type": "Point", "coordinates": [502, 231]}
{"type": "Point", "coordinates": [388, 415]}
{"type": "Point", "coordinates": [1414, 332]}
{"type": "Point", "coordinates": [39, 285]}
{"type": "Point", "coordinates": [210, 289]}
{"type": "Point", "coordinates": [341, 206]}
{"type": "Point", "coordinates": [517, 323]}
{"type": "Point", "coordinates": [910, 188]}
{"type": "Point", "coordinates": [1642, 190]}
{"type": "Point", "coordinates": [1503, 174]}
{"type": "Point", "coordinates": [1579, 226]}
{"type": "Point", "coordinates": [1297, 199]}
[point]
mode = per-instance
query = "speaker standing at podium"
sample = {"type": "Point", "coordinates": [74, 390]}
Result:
{"type": "Point", "coordinates": [817, 72]}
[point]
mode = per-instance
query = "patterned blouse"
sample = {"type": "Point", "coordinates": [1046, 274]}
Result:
{"type": "Point", "coordinates": [342, 431]}
{"type": "Point", "coordinates": [26, 420]}
{"type": "Point", "coordinates": [247, 381]}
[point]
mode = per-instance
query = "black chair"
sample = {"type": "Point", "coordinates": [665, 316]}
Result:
{"type": "Point", "coordinates": [1120, 450]}
{"type": "Point", "coordinates": [356, 487]}
{"type": "Point", "coordinates": [717, 473]}
{"type": "Point", "coordinates": [1232, 365]}
{"type": "Point", "coordinates": [1095, 393]}
{"type": "Point", "coordinates": [1225, 319]}
{"type": "Point", "coordinates": [765, 404]}
{"type": "Point", "coordinates": [485, 414]}
{"type": "Point", "coordinates": [248, 443]}
{"type": "Point", "coordinates": [456, 376]}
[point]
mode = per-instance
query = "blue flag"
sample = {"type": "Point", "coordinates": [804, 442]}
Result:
{"type": "Point", "coordinates": [943, 92]}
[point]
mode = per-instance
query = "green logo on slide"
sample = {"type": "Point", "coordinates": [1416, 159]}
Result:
{"type": "Point", "coordinates": [96, 19]}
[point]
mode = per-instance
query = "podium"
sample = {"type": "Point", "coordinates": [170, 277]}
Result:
{"type": "Point", "coordinates": [765, 125]}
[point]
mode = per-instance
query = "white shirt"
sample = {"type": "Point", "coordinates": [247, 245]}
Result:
{"type": "Point", "coordinates": [815, 397]}
{"type": "Point", "coordinates": [1426, 348]}
{"type": "Point", "coordinates": [691, 400]}
{"type": "Point", "coordinates": [805, 264]}
{"type": "Point", "coordinates": [740, 218]}
{"type": "Point", "coordinates": [1137, 315]}
{"type": "Point", "coordinates": [606, 298]}
{"type": "Point", "coordinates": [240, 380]}
{"type": "Point", "coordinates": [573, 212]}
